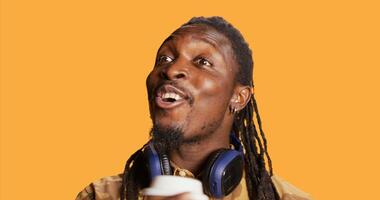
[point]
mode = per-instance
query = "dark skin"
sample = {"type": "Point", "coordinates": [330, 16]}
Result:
{"type": "Point", "coordinates": [198, 61]}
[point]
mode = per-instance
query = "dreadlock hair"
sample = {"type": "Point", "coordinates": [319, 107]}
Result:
{"type": "Point", "coordinates": [256, 157]}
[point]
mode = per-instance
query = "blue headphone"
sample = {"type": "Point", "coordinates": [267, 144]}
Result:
{"type": "Point", "coordinates": [222, 173]}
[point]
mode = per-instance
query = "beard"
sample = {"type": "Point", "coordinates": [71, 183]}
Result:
{"type": "Point", "coordinates": [166, 139]}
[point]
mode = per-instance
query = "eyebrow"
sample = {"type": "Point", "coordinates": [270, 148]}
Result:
{"type": "Point", "coordinates": [209, 41]}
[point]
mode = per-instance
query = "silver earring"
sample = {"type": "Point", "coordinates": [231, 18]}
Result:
{"type": "Point", "coordinates": [233, 109]}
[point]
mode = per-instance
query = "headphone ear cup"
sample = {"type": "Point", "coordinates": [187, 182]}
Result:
{"type": "Point", "coordinates": [153, 162]}
{"type": "Point", "coordinates": [224, 172]}
{"type": "Point", "coordinates": [207, 183]}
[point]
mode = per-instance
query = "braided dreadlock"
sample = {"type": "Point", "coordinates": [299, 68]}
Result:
{"type": "Point", "coordinates": [258, 181]}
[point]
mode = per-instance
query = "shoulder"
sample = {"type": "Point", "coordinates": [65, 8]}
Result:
{"type": "Point", "coordinates": [106, 188]}
{"type": "Point", "coordinates": [287, 191]}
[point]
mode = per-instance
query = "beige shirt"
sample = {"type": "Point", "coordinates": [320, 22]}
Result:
{"type": "Point", "coordinates": [108, 188]}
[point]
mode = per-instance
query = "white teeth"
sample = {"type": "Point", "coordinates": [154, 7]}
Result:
{"type": "Point", "coordinates": [170, 95]}
{"type": "Point", "coordinates": [165, 95]}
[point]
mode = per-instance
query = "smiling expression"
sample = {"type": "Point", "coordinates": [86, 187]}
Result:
{"type": "Point", "coordinates": [192, 82]}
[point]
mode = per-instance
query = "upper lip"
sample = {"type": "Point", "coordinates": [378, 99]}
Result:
{"type": "Point", "coordinates": [170, 88]}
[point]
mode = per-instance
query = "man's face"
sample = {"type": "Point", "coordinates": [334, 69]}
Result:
{"type": "Point", "coordinates": [191, 84]}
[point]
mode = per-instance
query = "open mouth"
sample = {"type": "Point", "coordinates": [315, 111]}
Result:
{"type": "Point", "coordinates": [169, 96]}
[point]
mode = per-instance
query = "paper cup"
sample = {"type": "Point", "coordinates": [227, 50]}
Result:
{"type": "Point", "coordinates": [172, 185]}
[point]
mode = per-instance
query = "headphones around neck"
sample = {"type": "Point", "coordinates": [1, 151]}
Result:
{"type": "Point", "coordinates": [223, 170]}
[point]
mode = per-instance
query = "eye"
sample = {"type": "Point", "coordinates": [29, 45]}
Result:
{"type": "Point", "coordinates": [203, 62]}
{"type": "Point", "coordinates": [161, 60]}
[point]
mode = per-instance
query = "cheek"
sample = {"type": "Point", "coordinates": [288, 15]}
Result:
{"type": "Point", "coordinates": [211, 87]}
{"type": "Point", "coordinates": [150, 78]}
{"type": "Point", "coordinates": [214, 88]}
{"type": "Point", "coordinates": [151, 81]}
{"type": "Point", "coordinates": [214, 94]}
{"type": "Point", "coordinates": [210, 105]}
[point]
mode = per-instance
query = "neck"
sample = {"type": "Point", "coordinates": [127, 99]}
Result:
{"type": "Point", "coordinates": [193, 156]}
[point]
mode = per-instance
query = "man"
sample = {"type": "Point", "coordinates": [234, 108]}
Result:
{"type": "Point", "coordinates": [200, 98]}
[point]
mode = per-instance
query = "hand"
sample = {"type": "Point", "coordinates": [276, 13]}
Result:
{"type": "Point", "coordinates": [182, 196]}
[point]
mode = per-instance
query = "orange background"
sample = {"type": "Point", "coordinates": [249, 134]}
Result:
{"type": "Point", "coordinates": [73, 99]}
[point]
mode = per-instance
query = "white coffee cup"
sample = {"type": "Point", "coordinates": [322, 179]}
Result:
{"type": "Point", "coordinates": [173, 185]}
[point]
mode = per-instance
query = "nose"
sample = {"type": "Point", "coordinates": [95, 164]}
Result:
{"type": "Point", "coordinates": [177, 70]}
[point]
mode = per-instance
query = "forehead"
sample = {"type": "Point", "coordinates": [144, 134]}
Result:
{"type": "Point", "coordinates": [204, 33]}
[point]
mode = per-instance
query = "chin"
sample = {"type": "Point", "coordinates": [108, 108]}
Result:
{"type": "Point", "coordinates": [167, 124]}
{"type": "Point", "coordinates": [167, 120]}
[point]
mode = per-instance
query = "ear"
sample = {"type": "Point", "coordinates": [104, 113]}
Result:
{"type": "Point", "coordinates": [240, 98]}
